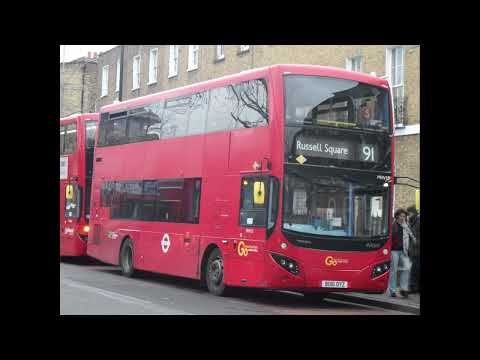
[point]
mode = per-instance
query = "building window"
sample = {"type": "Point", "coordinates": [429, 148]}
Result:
{"type": "Point", "coordinates": [173, 61]}
{"type": "Point", "coordinates": [220, 52]}
{"type": "Point", "coordinates": [192, 57]}
{"type": "Point", "coordinates": [117, 86]}
{"type": "Point", "coordinates": [105, 80]}
{"type": "Point", "coordinates": [153, 66]}
{"type": "Point", "coordinates": [395, 74]}
{"type": "Point", "coordinates": [244, 48]}
{"type": "Point", "coordinates": [354, 64]}
{"type": "Point", "coordinates": [136, 72]}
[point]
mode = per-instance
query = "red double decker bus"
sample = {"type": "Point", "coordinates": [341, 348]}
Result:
{"type": "Point", "coordinates": [77, 141]}
{"type": "Point", "coordinates": [276, 178]}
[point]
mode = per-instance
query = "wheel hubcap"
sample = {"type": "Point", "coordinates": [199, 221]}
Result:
{"type": "Point", "coordinates": [128, 259]}
{"type": "Point", "coordinates": [216, 271]}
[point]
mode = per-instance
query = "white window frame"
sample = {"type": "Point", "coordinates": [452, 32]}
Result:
{"type": "Point", "coordinates": [389, 75]}
{"type": "Point", "coordinates": [220, 52]}
{"type": "Point", "coordinates": [244, 48]}
{"type": "Point", "coordinates": [172, 60]}
{"type": "Point", "coordinates": [136, 59]}
{"type": "Point", "coordinates": [193, 57]}
{"type": "Point", "coordinates": [105, 71]}
{"type": "Point", "coordinates": [153, 67]}
{"type": "Point", "coordinates": [350, 61]}
{"type": "Point", "coordinates": [117, 84]}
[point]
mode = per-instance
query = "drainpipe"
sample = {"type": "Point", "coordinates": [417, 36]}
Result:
{"type": "Point", "coordinates": [83, 87]}
{"type": "Point", "coordinates": [120, 90]}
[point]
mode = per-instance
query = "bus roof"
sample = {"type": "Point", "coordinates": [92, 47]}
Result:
{"type": "Point", "coordinates": [78, 115]}
{"type": "Point", "coordinates": [317, 70]}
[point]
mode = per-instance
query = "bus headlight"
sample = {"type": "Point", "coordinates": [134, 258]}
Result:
{"type": "Point", "coordinates": [86, 228]}
{"type": "Point", "coordinates": [286, 263]}
{"type": "Point", "coordinates": [380, 269]}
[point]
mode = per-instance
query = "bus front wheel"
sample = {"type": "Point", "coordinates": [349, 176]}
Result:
{"type": "Point", "coordinates": [214, 273]}
{"type": "Point", "coordinates": [126, 258]}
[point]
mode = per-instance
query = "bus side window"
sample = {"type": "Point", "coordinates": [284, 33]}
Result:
{"type": "Point", "coordinates": [118, 133]}
{"type": "Point", "coordinates": [198, 113]}
{"type": "Point", "coordinates": [62, 139]}
{"type": "Point", "coordinates": [90, 133]}
{"type": "Point", "coordinates": [71, 138]}
{"type": "Point", "coordinates": [176, 117]}
{"type": "Point", "coordinates": [250, 104]}
{"type": "Point", "coordinates": [273, 197]}
{"type": "Point", "coordinates": [220, 109]}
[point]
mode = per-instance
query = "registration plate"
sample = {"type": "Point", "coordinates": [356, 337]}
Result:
{"type": "Point", "coordinates": [334, 284]}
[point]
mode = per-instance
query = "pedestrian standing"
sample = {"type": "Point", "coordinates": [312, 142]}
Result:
{"type": "Point", "coordinates": [400, 262]}
{"type": "Point", "coordinates": [414, 253]}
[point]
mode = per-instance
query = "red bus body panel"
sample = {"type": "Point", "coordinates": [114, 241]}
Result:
{"type": "Point", "coordinates": [71, 243]}
{"type": "Point", "coordinates": [221, 159]}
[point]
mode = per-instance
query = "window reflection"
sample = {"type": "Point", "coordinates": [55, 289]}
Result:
{"type": "Point", "coordinates": [323, 101]}
{"type": "Point", "coordinates": [334, 205]}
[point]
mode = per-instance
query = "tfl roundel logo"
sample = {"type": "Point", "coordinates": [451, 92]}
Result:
{"type": "Point", "coordinates": [165, 243]}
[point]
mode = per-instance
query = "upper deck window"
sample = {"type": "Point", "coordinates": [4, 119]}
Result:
{"type": "Point", "coordinates": [243, 105]}
{"type": "Point", "coordinates": [324, 101]}
{"type": "Point", "coordinates": [62, 138]}
{"type": "Point", "coordinates": [90, 132]}
{"type": "Point", "coordinates": [70, 139]}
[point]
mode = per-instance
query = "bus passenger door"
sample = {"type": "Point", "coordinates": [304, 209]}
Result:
{"type": "Point", "coordinates": [97, 217]}
{"type": "Point", "coordinates": [190, 236]}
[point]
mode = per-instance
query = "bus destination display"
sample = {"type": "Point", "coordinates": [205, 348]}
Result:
{"type": "Point", "coordinates": [336, 149]}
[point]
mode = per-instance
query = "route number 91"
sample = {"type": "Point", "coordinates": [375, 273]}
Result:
{"type": "Point", "coordinates": [368, 153]}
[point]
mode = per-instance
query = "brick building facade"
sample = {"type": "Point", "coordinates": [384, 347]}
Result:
{"type": "Point", "coordinates": [399, 63]}
{"type": "Point", "coordinates": [78, 89]}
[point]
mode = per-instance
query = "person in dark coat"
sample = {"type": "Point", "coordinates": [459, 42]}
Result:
{"type": "Point", "coordinates": [402, 237]}
{"type": "Point", "coordinates": [414, 253]}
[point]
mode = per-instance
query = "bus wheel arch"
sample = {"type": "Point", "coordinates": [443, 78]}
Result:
{"type": "Point", "coordinates": [214, 274]}
{"type": "Point", "coordinates": [125, 257]}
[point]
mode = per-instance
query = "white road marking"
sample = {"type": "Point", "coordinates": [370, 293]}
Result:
{"type": "Point", "coordinates": [122, 298]}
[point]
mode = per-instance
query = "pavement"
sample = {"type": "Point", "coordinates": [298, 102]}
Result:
{"type": "Point", "coordinates": [410, 304]}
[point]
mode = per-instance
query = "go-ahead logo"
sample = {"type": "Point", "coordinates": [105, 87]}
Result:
{"type": "Point", "coordinates": [242, 249]}
{"type": "Point", "coordinates": [331, 261]}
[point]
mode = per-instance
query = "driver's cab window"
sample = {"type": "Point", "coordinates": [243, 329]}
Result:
{"type": "Point", "coordinates": [253, 201]}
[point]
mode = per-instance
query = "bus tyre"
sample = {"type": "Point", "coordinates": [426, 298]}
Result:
{"type": "Point", "coordinates": [126, 258]}
{"type": "Point", "coordinates": [314, 297]}
{"type": "Point", "coordinates": [214, 273]}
